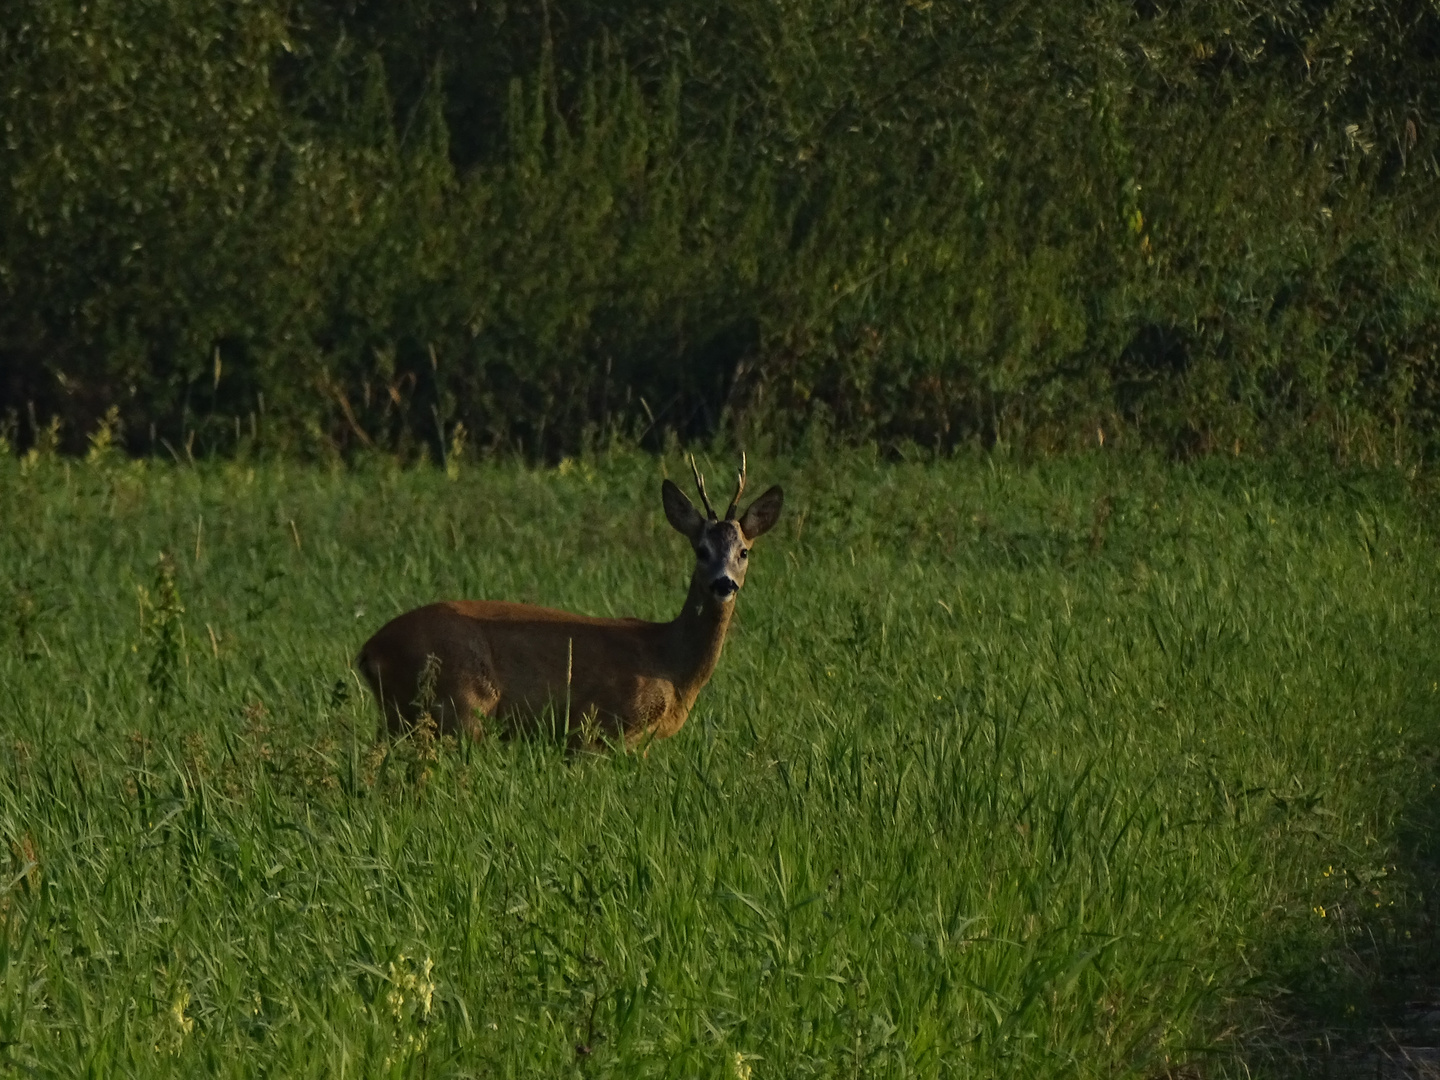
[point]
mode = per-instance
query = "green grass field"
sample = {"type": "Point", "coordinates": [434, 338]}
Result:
{"type": "Point", "coordinates": [1086, 768]}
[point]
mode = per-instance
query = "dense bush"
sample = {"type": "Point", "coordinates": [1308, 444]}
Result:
{"type": "Point", "coordinates": [320, 225]}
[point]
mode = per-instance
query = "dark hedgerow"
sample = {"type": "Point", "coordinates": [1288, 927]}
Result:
{"type": "Point", "coordinates": [319, 227]}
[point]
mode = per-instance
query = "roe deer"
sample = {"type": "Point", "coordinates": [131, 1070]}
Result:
{"type": "Point", "coordinates": [463, 662]}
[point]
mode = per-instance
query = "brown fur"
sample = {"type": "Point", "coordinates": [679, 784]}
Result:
{"type": "Point", "coordinates": [533, 670]}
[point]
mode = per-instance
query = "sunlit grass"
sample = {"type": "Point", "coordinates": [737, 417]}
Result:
{"type": "Point", "coordinates": [1006, 770]}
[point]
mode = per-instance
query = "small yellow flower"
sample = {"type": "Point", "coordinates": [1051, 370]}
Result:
{"type": "Point", "coordinates": [177, 1009]}
{"type": "Point", "coordinates": [1320, 910]}
{"type": "Point", "coordinates": [406, 977]}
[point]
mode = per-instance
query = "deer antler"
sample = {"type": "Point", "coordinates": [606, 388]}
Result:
{"type": "Point", "coordinates": [700, 483]}
{"type": "Point", "coordinates": [739, 487]}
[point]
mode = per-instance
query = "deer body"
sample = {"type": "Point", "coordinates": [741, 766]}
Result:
{"type": "Point", "coordinates": [535, 669]}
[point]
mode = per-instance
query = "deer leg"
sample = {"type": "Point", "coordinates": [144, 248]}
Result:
{"type": "Point", "coordinates": [468, 707]}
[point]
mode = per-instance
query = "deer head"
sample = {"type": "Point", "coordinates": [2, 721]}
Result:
{"type": "Point", "coordinates": [722, 547]}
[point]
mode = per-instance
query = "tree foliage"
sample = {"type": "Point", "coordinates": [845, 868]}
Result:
{"type": "Point", "coordinates": [322, 224]}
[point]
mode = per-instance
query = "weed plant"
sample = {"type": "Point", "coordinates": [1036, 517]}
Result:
{"type": "Point", "coordinates": [1072, 769]}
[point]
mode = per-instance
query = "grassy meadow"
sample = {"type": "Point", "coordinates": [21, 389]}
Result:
{"type": "Point", "coordinates": [1091, 767]}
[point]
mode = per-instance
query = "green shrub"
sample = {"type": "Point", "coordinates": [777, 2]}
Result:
{"type": "Point", "coordinates": [320, 227]}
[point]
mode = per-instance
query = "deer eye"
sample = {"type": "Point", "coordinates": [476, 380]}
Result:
{"type": "Point", "coordinates": [744, 553]}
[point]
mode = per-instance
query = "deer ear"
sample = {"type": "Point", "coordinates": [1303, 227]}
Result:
{"type": "Point", "coordinates": [679, 511]}
{"type": "Point", "coordinates": [763, 513]}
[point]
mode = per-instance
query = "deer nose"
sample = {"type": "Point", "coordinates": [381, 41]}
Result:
{"type": "Point", "coordinates": [724, 587]}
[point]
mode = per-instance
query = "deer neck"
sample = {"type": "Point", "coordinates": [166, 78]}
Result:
{"type": "Point", "coordinates": [698, 636]}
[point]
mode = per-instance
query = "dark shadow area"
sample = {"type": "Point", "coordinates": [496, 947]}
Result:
{"type": "Point", "coordinates": [1366, 1004]}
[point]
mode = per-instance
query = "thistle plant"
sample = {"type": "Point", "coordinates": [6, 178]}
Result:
{"type": "Point", "coordinates": [162, 630]}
